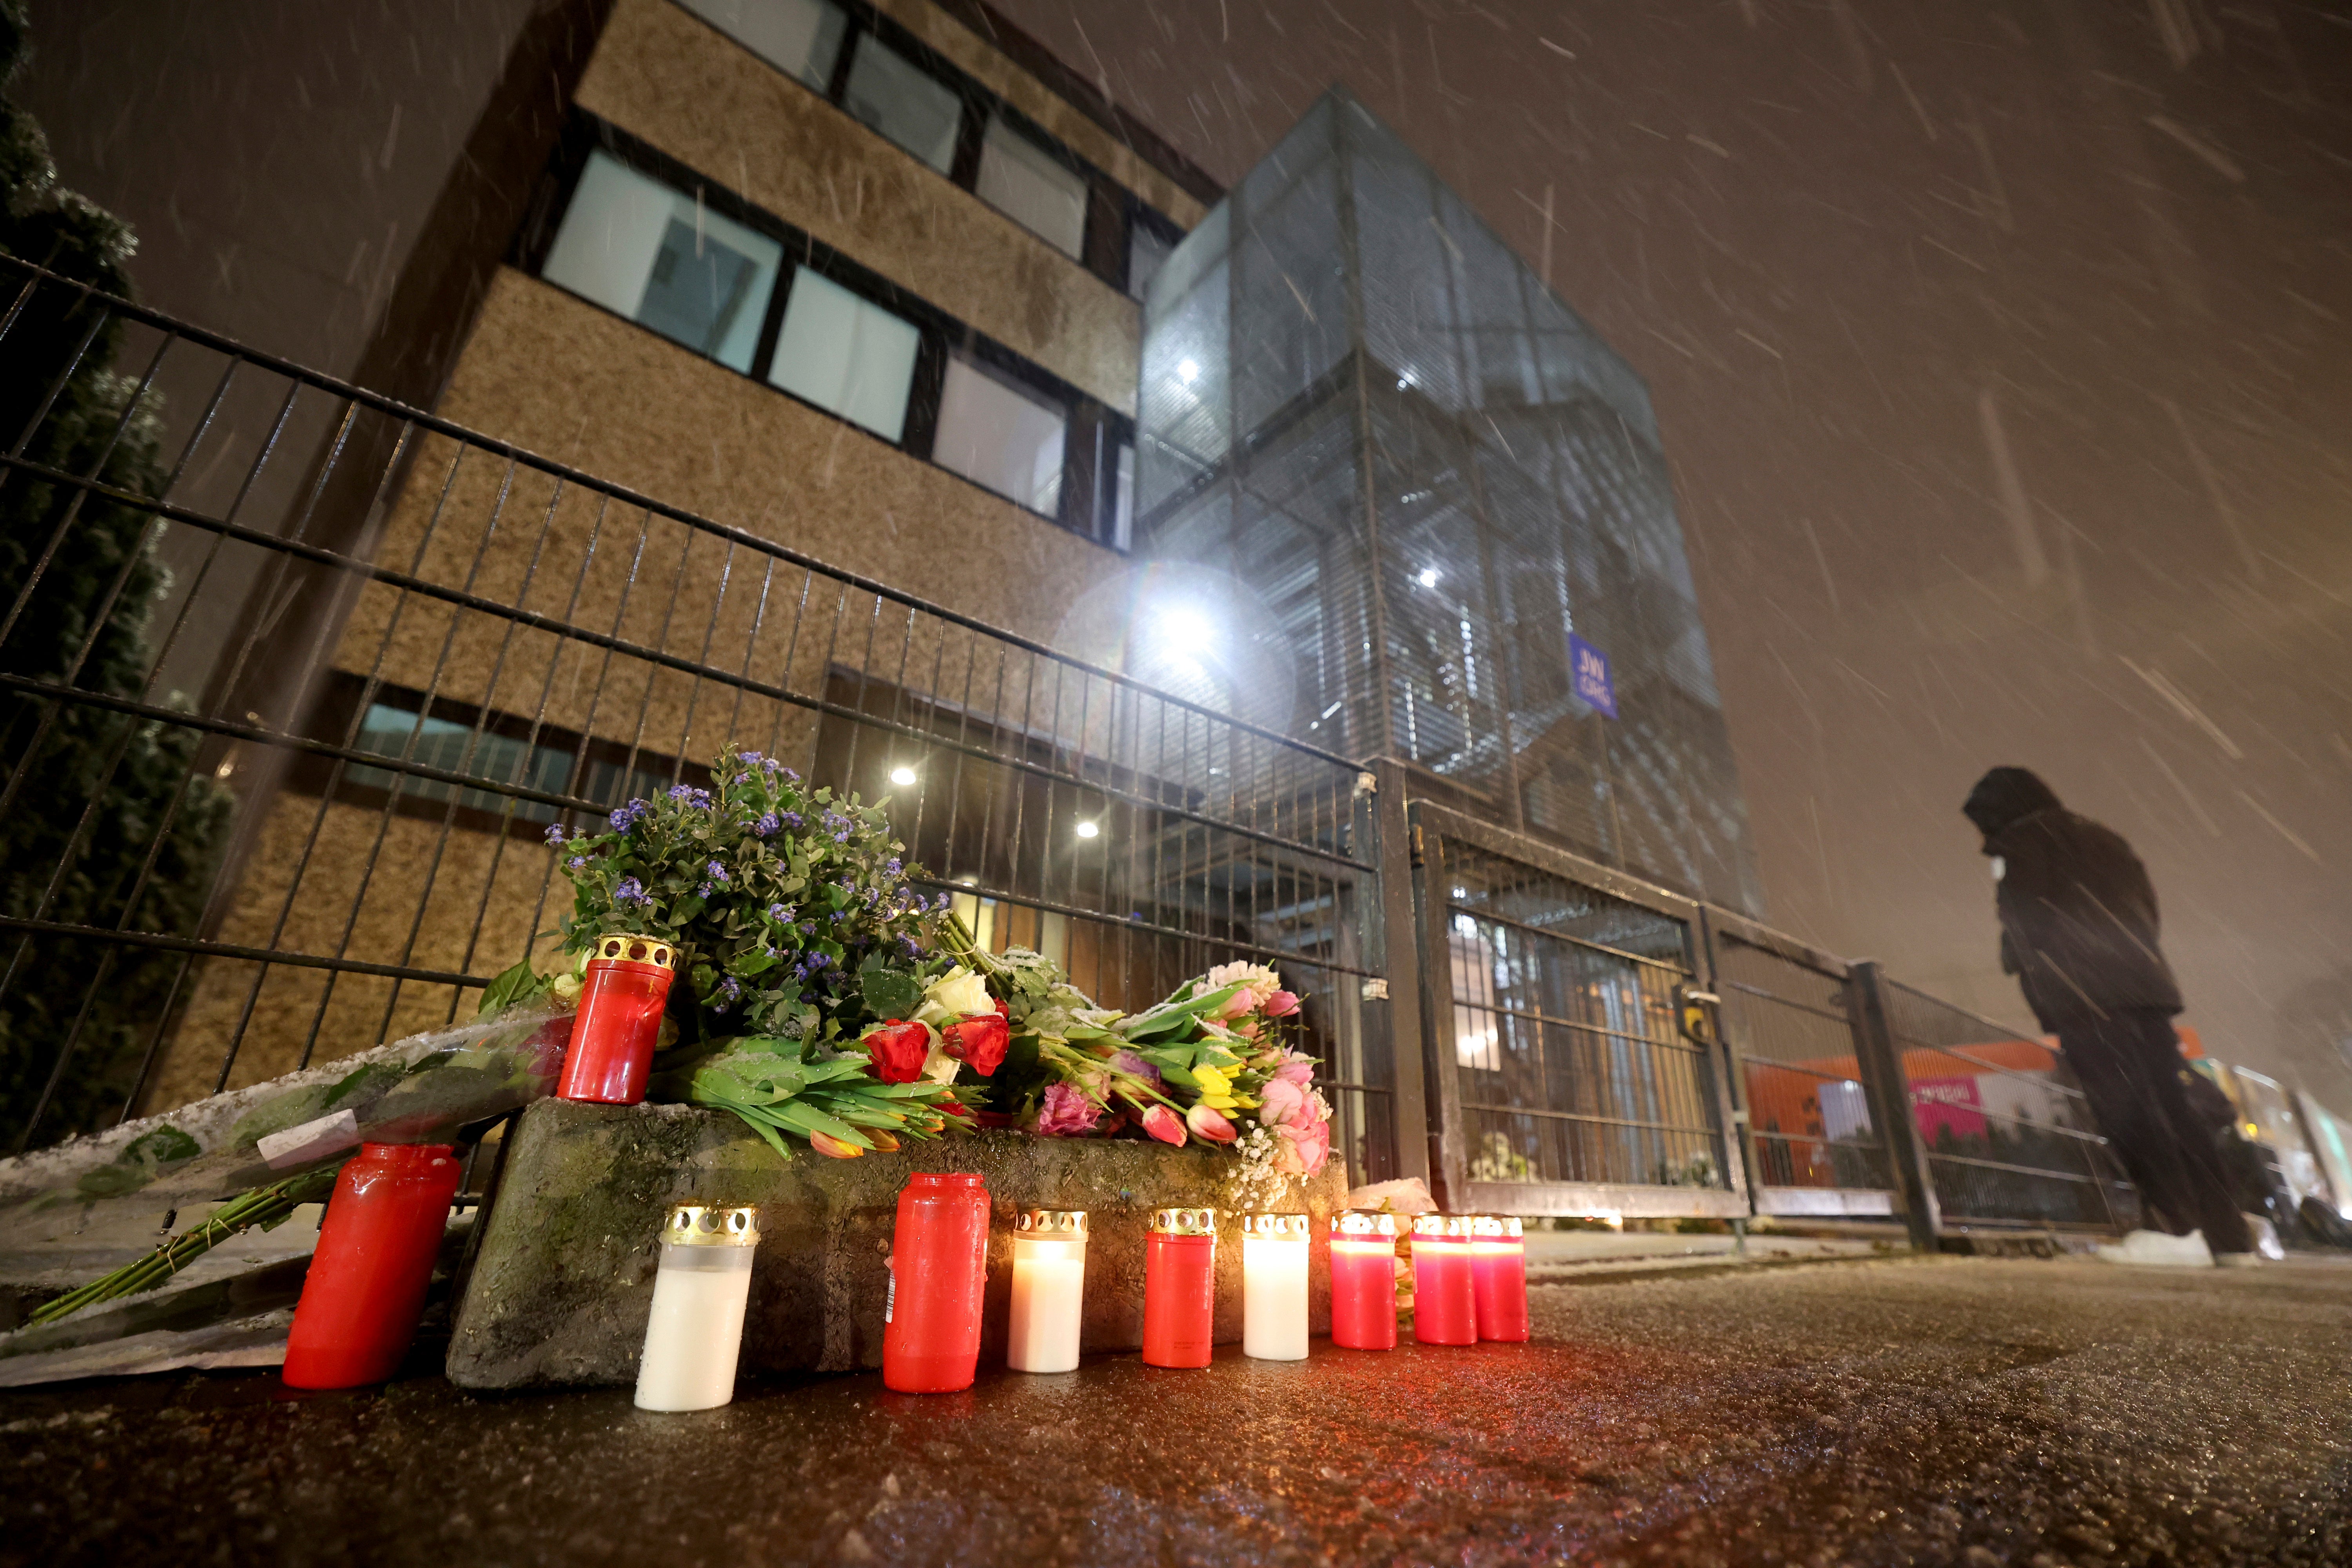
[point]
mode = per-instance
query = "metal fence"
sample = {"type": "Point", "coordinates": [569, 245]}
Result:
{"type": "Point", "coordinates": [1564, 1081]}
{"type": "Point", "coordinates": [1814, 1140]}
{"type": "Point", "coordinates": [293, 680]}
{"type": "Point", "coordinates": [296, 678]}
{"type": "Point", "coordinates": [2003, 1133]}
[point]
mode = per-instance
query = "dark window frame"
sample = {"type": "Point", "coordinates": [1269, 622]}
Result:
{"type": "Point", "coordinates": [1112, 208]}
{"type": "Point", "coordinates": [938, 334]}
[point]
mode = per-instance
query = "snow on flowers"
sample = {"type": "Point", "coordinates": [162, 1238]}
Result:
{"type": "Point", "coordinates": [822, 996]}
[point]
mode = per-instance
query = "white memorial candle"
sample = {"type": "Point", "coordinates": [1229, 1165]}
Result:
{"type": "Point", "coordinates": [696, 1331]}
{"type": "Point", "coordinates": [1274, 1285]}
{"type": "Point", "coordinates": [1049, 1286]}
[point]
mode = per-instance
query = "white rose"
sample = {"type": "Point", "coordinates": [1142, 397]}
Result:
{"type": "Point", "coordinates": [959, 993]}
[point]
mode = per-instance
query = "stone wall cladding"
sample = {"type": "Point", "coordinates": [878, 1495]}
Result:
{"type": "Point", "coordinates": [562, 1283]}
{"type": "Point", "coordinates": [662, 74]}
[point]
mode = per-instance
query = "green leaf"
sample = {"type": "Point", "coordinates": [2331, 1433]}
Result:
{"type": "Point", "coordinates": [511, 988]}
{"type": "Point", "coordinates": [889, 993]}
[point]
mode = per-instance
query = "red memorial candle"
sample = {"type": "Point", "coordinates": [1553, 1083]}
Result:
{"type": "Point", "coordinates": [1498, 1276]}
{"type": "Point", "coordinates": [621, 995]}
{"type": "Point", "coordinates": [1363, 1280]}
{"type": "Point", "coordinates": [367, 1285]}
{"type": "Point", "coordinates": [938, 1271]}
{"type": "Point", "coordinates": [1179, 1287]}
{"type": "Point", "coordinates": [1445, 1302]}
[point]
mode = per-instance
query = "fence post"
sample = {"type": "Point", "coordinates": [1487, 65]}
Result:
{"type": "Point", "coordinates": [1743, 1174]}
{"type": "Point", "coordinates": [1881, 1062]}
{"type": "Point", "coordinates": [1393, 950]}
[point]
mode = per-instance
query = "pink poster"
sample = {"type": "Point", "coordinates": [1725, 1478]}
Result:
{"type": "Point", "coordinates": [1940, 1102]}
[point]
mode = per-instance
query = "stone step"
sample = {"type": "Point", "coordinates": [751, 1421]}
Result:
{"type": "Point", "coordinates": [562, 1285]}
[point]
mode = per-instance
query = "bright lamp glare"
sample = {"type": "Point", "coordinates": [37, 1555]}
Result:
{"type": "Point", "coordinates": [1188, 371]}
{"type": "Point", "coordinates": [902, 776]}
{"type": "Point", "coordinates": [1186, 631]}
{"type": "Point", "coordinates": [1429, 576]}
{"type": "Point", "coordinates": [1088, 830]}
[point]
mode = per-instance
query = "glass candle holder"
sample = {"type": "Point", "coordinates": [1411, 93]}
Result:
{"type": "Point", "coordinates": [1444, 1300]}
{"type": "Point", "coordinates": [1498, 1276]}
{"type": "Point", "coordinates": [1049, 1282]}
{"type": "Point", "coordinates": [1179, 1287]}
{"type": "Point", "coordinates": [694, 1335]}
{"type": "Point", "coordinates": [1274, 1285]}
{"type": "Point", "coordinates": [939, 1271]}
{"type": "Point", "coordinates": [1363, 1280]}
{"type": "Point", "coordinates": [621, 995]}
{"type": "Point", "coordinates": [367, 1285]}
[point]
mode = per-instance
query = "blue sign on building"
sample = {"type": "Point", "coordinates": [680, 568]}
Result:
{"type": "Point", "coordinates": [1588, 671]}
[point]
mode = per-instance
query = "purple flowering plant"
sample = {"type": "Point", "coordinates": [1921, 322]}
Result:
{"type": "Point", "coordinates": [785, 901]}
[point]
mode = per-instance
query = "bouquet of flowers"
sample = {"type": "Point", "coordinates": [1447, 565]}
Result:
{"type": "Point", "coordinates": [820, 995]}
{"type": "Point", "coordinates": [1213, 1061]}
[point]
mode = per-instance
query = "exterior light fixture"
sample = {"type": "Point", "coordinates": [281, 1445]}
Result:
{"type": "Point", "coordinates": [902, 776]}
{"type": "Point", "coordinates": [1087, 829]}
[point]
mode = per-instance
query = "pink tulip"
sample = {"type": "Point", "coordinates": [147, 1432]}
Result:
{"type": "Point", "coordinates": [1162, 1123]}
{"type": "Point", "coordinates": [1281, 1004]}
{"type": "Point", "coordinates": [1208, 1122]}
{"type": "Point", "coordinates": [1280, 1101]}
{"type": "Point", "coordinates": [1298, 1070]}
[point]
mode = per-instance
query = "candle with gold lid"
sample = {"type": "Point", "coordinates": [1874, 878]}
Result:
{"type": "Point", "coordinates": [1363, 1280]}
{"type": "Point", "coordinates": [1498, 1276]}
{"type": "Point", "coordinates": [1179, 1287]}
{"type": "Point", "coordinates": [1049, 1280]}
{"type": "Point", "coordinates": [1445, 1302]}
{"type": "Point", "coordinates": [695, 1333]}
{"type": "Point", "coordinates": [1274, 1285]}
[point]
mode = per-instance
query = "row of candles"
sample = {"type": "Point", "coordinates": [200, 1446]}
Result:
{"type": "Point", "coordinates": [1469, 1284]}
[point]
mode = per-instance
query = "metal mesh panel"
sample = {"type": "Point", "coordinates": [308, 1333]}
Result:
{"type": "Point", "coordinates": [290, 700]}
{"type": "Point", "coordinates": [1568, 1062]}
{"type": "Point", "coordinates": [1367, 424]}
{"type": "Point", "coordinates": [1808, 1112]}
{"type": "Point", "coordinates": [2008, 1136]}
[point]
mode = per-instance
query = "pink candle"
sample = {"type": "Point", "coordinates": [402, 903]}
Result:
{"type": "Point", "coordinates": [1498, 1276]}
{"type": "Point", "coordinates": [1445, 1302]}
{"type": "Point", "coordinates": [1363, 1280]}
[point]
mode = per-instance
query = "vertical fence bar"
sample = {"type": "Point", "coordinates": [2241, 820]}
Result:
{"type": "Point", "coordinates": [1396, 1011]}
{"type": "Point", "coordinates": [1890, 1095]}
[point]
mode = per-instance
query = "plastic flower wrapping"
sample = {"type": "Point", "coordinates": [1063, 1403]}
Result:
{"type": "Point", "coordinates": [823, 998]}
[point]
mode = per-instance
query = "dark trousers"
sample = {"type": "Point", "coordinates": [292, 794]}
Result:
{"type": "Point", "coordinates": [2129, 1064]}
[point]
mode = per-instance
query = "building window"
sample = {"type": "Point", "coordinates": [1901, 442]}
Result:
{"type": "Point", "coordinates": [845, 354]}
{"type": "Point", "coordinates": [1033, 188]}
{"type": "Point", "coordinates": [661, 259]}
{"type": "Point", "coordinates": [800, 38]}
{"type": "Point", "coordinates": [897, 99]}
{"type": "Point", "coordinates": [1122, 499]}
{"type": "Point", "coordinates": [1147, 246]}
{"type": "Point", "coordinates": [1001, 436]}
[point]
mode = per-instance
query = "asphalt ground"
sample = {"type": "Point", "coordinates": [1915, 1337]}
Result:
{"type": "Point", "coordinates": [1929, 1411]}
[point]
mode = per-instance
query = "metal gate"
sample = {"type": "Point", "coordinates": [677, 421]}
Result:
{"type": "Point", "coordinates": [1810, 1123]}
{"type": "Point", "coordinates": [1561, 1074]}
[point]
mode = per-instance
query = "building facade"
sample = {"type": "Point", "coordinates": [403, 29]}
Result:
{"type": "Point", "coordinates": [882, 285]}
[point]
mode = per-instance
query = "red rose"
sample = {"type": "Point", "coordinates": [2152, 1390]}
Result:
{"type": "Point", "coordinates": [898, 1051]}
{"type": "Point", "coordinates": [979, 1040]}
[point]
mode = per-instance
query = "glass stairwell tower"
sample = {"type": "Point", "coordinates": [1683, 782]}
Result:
{"type": "Point", "coordinates": [1383, 474]}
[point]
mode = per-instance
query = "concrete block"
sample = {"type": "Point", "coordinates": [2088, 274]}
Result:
{"type": "Point", "coordinates": [562, 1283]}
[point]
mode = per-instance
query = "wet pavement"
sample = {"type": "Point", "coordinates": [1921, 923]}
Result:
{"type": "Point", "coordinates": [1905, 1411]}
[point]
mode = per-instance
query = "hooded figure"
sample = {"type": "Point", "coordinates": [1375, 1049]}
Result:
{"type": "Point", "coordinates": [2078, 916]}
{"type": "Point", "coordinates": [2079, 929]}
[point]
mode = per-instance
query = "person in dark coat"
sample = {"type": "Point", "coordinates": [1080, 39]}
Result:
{"type": "Point", "coordinates": [2079, 930]}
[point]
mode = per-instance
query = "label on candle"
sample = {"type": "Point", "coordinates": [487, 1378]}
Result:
{"type": "Point", "coordinates": [890, 1295]}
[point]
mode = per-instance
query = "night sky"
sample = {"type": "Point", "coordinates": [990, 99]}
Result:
{"type": "Point", "coordinates": [1856, 248]}
{"type": "Point", "coordinates": [2003, 352]}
